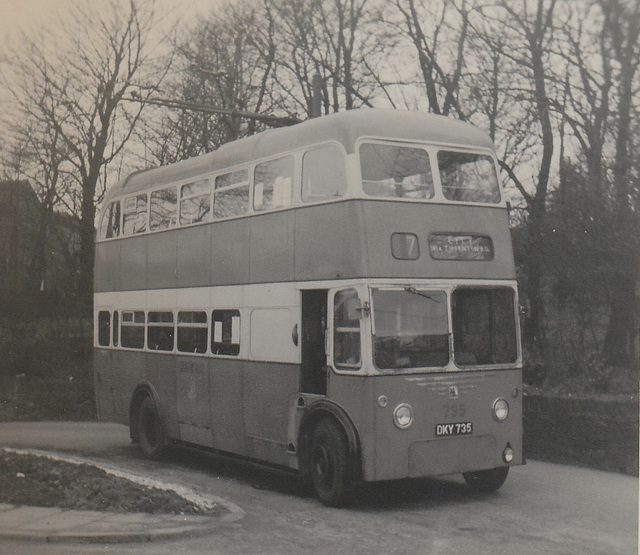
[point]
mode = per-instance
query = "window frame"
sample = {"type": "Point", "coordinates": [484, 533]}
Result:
{"type": "Point", "coordinates": [133, 324]}
{"type": "Point", "coordinates": [101, 328]}
{"type": "Point", "coordinates": [471, 151]}
{"type": "Point", "coordinates": [300, 182]}
{"type": "Point", "coordinates": [193, 326]}
{"type": "Point", "coordinates": [176, 213]}
{"type": "Point", "coordinates": [231, 312]}
{"type": "Point", "coordinates": [294, 193]}
{"type": "Point", "coordinates": [145, 229]}
{"type": "Point", "coordinates": [347, 368]}
{"type": "Point", "coordinates": [157, 325]}
{"type": "Point", "coordinates": [195, 181]}
{"type": "Point", "coordinates": [106, 224]}
{"type": "Point", "coordinates": [426, 148]}
{"type": "Point", "coordinates": [234, 186]}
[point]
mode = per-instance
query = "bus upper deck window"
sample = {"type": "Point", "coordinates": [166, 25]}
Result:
{"type": "Point", "coordinates": [164, 204]}
{"type": "Point", "coordinates": [135, 215]}
{"type": "Point", "coordinates": [231, 194]}
{"type": "Point", "coordinates": [195, 202]}
{"type": "Point", "coordinates": [468, 177]}
{"type": "Point", "coordinates": [392, 171]}
{"type": "Point", "coordinates": [323, 174]}
{"type": "Point", "coordinates": [110, 226]}
{"type": "Point", "coordinates": [273, 184]}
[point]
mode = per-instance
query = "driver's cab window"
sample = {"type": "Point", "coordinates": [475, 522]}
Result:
{"type": "Point", "coordinates": [346, 330]}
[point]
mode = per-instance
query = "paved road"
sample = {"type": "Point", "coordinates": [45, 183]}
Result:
{"type": "Point", "coordinates": [542, 508]}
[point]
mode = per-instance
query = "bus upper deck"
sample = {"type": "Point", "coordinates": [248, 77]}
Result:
{"type": "Point", "coordinates": [326, 178]}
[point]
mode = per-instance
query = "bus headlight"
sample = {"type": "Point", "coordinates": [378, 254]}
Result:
{"type": "Point", "coordinates": [403, 416]}
{"type": "Point", "coordinates": [500, 409]}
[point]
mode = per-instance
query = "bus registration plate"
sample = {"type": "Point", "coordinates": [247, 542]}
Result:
{"type": "Point", "coordinates": [455, 429]}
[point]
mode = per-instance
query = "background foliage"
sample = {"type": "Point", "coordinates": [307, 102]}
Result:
{"type": "Point", "coordinates": [554, 82]}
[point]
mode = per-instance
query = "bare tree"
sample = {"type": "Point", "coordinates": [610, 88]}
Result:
{"type": "Point", "coordinates": [225, 62]}
{"type": "Point", "coordinates": [72, 81]}
{"type": "Point", "coordinates": [438, 33]}
{"type": "Point", "coordinates": [335, 39]}
{"type": "Point", "coordinates": [623, 28]}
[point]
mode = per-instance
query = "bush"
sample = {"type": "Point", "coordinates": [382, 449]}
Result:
{"type": "Point", "coordinates": [43, 375]}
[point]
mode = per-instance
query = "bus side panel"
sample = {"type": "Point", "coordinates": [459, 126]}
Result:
{"type": "Point", "coordinates": [194, 256]}
{"type": "Point", "coordinates": [230, 252]}
{"type": "Point", "coordinates": [225, 394]}
{"type": "Point", "coordinates": [355, 394]}
{"type": "Point", "coordinates": [103, 384]}
{"type": "Point", "coordinates": [133, 263]}
{"type": "Point", "coordinates": [271, 251]}
{"type": "Point", "coordinates": [161, 260]}
{"type": "Point", "coordinates": [329, 242]}
{"type": "Point", "coordinates": [267, 390]}
{"type": "Point", "coordinates": [107, 266]}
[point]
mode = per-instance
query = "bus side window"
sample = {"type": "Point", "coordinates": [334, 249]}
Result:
{"type": "Point", "coordinates": [192, 332]}
{"type": "Point", "coordinates": [110, 226]}
{"type": "Point", "coordinates": [160, 331]}
{"type": "Point", "coordinates": [132, 332]}
{"type": "Point", "coordinates": [195, 202]}
{"type": "Point", "coordinates": [164, 206]}
{"type": "Point", "coordinates": [323, 174]}
{"type": "Point", "coordinates": [231, 196]}
{"type": "Point", "coordinates": [346, 330]}
{"type": "Point", "coordinates": [225, 332]}
{"type": "Point", "coordinates": [135, 215]}
{"type": "Point", "coordinates": [104, 328]}
{"type": "Point", "coordinates": [116, 328]}
{"type": "Point", "coordinates": [273, 181]}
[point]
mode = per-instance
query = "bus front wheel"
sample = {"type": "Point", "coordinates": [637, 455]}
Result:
{"type": "Point", "coordinates": [330, 463]}
{"type": "Point", "coordinates": [486, 481]}
{"type": "Point", "coordinates": [153, 439]}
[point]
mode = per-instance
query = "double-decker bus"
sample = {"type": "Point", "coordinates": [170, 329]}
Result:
{"type": "Point", "coordinates": [337, 298]}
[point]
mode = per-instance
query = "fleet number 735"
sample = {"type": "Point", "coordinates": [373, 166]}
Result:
{"type": "Point", "coordinates": [455, 410]}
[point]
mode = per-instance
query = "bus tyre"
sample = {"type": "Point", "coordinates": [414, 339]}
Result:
{"type": "Point", "coordinates": [330, 463]}
{"type": "Point", "coordinates": [153, 439]}
{"type": "Point", "coordinates": [486, 481]}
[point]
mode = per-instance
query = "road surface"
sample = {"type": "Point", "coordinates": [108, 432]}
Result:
{"type": "Point", "coordinates": [542, 508]}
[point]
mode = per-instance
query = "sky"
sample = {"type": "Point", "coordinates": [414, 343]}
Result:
{"type": "Point", "coordinates": [28, 15]}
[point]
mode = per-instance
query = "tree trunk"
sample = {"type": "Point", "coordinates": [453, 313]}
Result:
{"type": "Point", "coordinates": [87, 247]}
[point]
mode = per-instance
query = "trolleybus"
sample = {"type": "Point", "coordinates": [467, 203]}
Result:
{"type": "Point", "coordinates": [337, 298]}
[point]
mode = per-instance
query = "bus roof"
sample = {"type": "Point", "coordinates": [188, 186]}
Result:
{"type": "Point", "coordinates": [343, 127]}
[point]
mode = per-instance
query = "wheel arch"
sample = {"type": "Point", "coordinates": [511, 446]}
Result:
{"type": "Point", "coordinates": [316, 412]}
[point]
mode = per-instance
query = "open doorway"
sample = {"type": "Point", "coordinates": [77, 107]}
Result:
{"type": "Point", "coordinates": [314, 324]}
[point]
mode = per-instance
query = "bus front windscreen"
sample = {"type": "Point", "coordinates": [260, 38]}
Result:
{"type": "Point", "coordinates": [411, 329]}
{"type": "Point", "coordinates": [484, 328]}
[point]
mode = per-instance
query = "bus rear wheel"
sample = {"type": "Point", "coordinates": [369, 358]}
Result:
{"type": "Point", "coordinates": [486, 481]}
{"type": "Point", "coordinates": [330, 463]}
{"type": "Point", "coordinates": [153, 439]}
